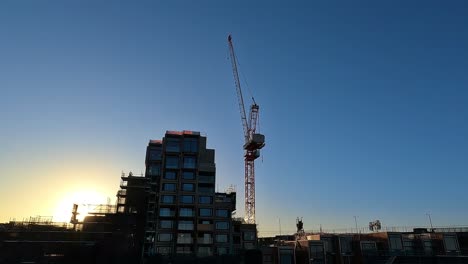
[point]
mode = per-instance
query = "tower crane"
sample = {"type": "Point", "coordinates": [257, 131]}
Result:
{"type": "Point", "coordinates": [253, 141]}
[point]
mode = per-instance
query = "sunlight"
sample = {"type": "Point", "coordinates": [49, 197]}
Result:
{"type": "Point", "coordinates": [83, 198]}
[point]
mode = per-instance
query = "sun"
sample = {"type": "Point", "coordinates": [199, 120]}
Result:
{"type": "Point", "coordinates": [83, 198]}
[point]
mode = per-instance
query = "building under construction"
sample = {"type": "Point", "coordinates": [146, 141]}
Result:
{"type": "Point", "coordinates": [172, 213]}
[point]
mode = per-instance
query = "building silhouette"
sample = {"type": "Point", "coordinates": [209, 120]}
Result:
{"type": "Point", "coordinates": [176, 207]}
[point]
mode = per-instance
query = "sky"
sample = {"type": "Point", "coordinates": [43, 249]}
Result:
{"type": "Point", "coordinates": [364, 104]}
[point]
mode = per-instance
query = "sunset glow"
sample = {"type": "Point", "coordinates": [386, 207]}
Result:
{"type": "Point", "coordinates": [84, 198]}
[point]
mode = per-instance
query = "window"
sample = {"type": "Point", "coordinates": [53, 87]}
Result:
{"type": "Point", "coordinates": [249, 236]}
{"type": "Point", "coordinates": [205, 212]}
{"type": "Point", "coordinates": [164, 250]}
{"type": "Point", "coordinates": [170, 175]}
{"type": "Point", "coordinates": [190, 162]}
{"type": "Point", "coordinates": [205, 199]}
{"type": "Point", "coordinates": [169, 187]}
{"type": "Point", "coordinates": [183, 238]}
{"type": "Point", "coordinates": [165, 237]}
{"type": "Point", "coordinates": [186, 199]}
{"type": "Point", "coordinates": [184, 250]}
{"type": "Point", "coordinates": [286, 256]}
{"type": "Point", "coordinates": [346, 245]}
{"type": "Point", "coordinates": [166, 212]}
{"type": "Point", "coordinates": [204, 251]}
{"type": "Point", "coordinates": [395, 242]}
{"type": "Point", "coordinates": [222, 238]}
{"type": "Point", "coordinates": [155, 153]}
{"type": "Point", "coordinates": [368, 246]}
{"type": "Point", "coordinates": [172, 162]}
{"type": "Point", "coordinates": [187, 212]}
{"type": "Point", "coordinates": [165, 199]}
{"type": "Point", "coordinates": [185, 225]}
{"type": "Point", "coordinates": [327, 244]}
{"type": "Point", "coordinates": [166, 224]}
{"type": "Point", "coordinates": [154, 169]}
{"type": "Point", "coordinates": [190, 145]}
{"type": "Point", "coordinates": [222, 225]}
{"type": "Point", "coordinates": [172, 145]}
{"type": "Point", "coordinates": [188, 175]}
{"type": "Point", "coordinates": [451, 243]}
{"type": "Point", "coordinates": [207, 188]}
{"type": "Point", "coordinates": [205, 178]}
{"type": "Point", "coordinates": [316, 251]}
{"type": "Point", "coordinates": [222, 251]}
{"type": "Point", "coordinates": [188, 187]}
{"type": "Point", "coordinates": [222, 213]}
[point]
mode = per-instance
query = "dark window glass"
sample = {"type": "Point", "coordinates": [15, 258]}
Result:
{"type": "Point", "coordinates": [186, 199]}
{"type": "Point", "coordinates": [169, 187]}
{"type": "Point", "coordinates": [170, 175]}
{"type": "Point", "coordinates": [205, 212]}
{"type": "Point", "coordinates": [205, 178]}
{"type": "Point", "coordinates": [222, 225]}
{"type": "Point", "coordinates": [172, 162]}
{"type": "Point", "coordinates": [249, 236]}
{"type": "Point", "coordinates": [166, 224]}
{"type": "Point", "coordinates": [188, 175]}
{"type": "Point", "coordinates": [222, 213]}
{"type": "Point", "coordinates": [155, 153]}
{"type": "Point", "coordinates": [187, 212]}
{"type": "Point", "coordinates": [190, 145]}
{"type": "Point", "coordinates": [188, 187]}
{"type": "Point", "coordinates": [450, 243]}
{"type": "Point", "coordinates": [164, 250]}
{"type": "Point", "coordinates": [346, 245]}
{"type": "Point", "coordinates": [395, 242]}
{"type": "Point", "coordinates": [222, 251]}
{"type": "Point", "coordinates": [165, 237]}
{"type": "Point", "coordinates": [165, 212]}
{"type": "Point", "coordinates": [222, 238]}
{"type": "Point", "coordinates": [190, 162]}
{"type": "Point", "coordinates": [154, 170]}
{"type": "Point", "coordinates": [172, 145]}
{"type": "Point", "coordinates": [185, 225]}
{"type": "Point", "coordinates": [206, 188]}
{"type": "Point", "coordinates": [167, 199]}
{"type": "Point", "coordinates": [205, 199]}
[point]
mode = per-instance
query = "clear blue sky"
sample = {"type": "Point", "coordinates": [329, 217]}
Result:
{"type": "Point", "coordinates": [364, 104]}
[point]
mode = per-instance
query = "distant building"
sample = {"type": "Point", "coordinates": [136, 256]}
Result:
{"type": "Point", "coordinates": [419, 246]}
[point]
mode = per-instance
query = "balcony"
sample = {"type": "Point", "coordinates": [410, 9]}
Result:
{"type": "Point", "coordinates": [205, 227]}
{"type": "Point", "coordinates": [122, 193]}
{"type": "Point", "coordinates": [123, 184]}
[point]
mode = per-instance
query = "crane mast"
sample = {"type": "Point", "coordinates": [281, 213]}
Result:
{"type": "Point", "coordinates": [253, 141]}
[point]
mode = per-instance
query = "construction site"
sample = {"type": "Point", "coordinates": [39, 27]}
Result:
{"type": "Point", "coordinates": [172, 213]}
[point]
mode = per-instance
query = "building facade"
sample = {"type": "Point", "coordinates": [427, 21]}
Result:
{"type": "Point", "coordinates": [184, 213]}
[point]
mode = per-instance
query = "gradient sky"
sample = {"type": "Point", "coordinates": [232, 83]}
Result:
{"type": "Point", "coordinates": [364, 104]}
